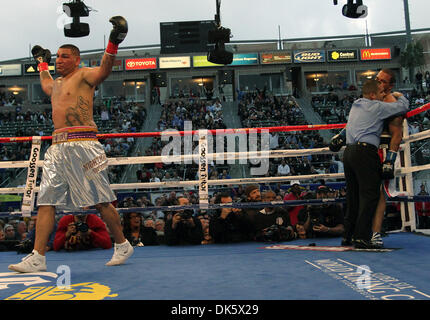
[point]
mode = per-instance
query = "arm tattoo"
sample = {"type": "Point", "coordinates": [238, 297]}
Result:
{"type": "Point", "coordinates": [80, 114]}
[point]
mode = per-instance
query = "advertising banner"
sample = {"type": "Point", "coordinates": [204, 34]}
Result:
{"type": "Point", "coordinates": [84, 63]}
{"type": "Point", "coordinates": [174, 62]}
{"type": "Point", "coordinates": [375, 54]}
{"type": "Point", "coordinates": [141, 64]}
{"type": "Point", "coordinates": [10, 70]}
{"type": "Point", "coordinates": [274, 58]}
{"type": "Point", "coordinates": [30, 69]}
{"type": "Point", "coordinates": [245, 59]}
{"type": "Point", "coordinates": [202, 61]}
{"type": "Point", "coordinates": [342, 55]}
{"type": "Point", "coordinates": [309, 56]}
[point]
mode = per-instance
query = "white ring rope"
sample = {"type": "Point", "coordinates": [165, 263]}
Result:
{"type": "Point", "coordinates": [226, 156]}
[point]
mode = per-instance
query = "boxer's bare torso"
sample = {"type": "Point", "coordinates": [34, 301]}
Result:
{"type": "Point", "coordinates": [72, 101]}
{"type": "Point", "coordinates": [72, 93]}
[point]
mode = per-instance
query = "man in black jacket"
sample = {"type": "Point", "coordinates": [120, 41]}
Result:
{"type": "Point", "coordinates": [183, 228]}
{"type": "Point", "coordinates": [230, 224]}
{"type": "Point", "coordinates": [272, 223]}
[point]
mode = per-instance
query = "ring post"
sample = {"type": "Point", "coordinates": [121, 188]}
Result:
{"type": "Point", "coordinates": [407, 210]}
{"type": "Point", "coordinates": [28, 196]}
{"type": "Point", "coordinates": [203, 169]}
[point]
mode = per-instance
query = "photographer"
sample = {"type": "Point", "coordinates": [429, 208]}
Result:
{"type": "Point", "coordinates": [26, 246]}
{"type": "Point", "coordinates": [229, 224]}
{"type": "Point", "coordinates": [272, 223]}
{"type": "Point", "coordinates": [81, 232]}
{"type": "Point", "coordinates": [183, 228]}
{"type": "Point", "coordinates": [324, 220]}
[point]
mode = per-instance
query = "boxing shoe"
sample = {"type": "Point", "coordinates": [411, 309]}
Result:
{"type": "Point", "coordinates": [346, 242]}
{"type": "Point", "coordinates": [33, 262]}
{"type": "Point", "coordinates": [121, 253]}
{"type": "Point", "coordinates": [365, 244]}
{"type": "Point", "coordinates": [377, 239]}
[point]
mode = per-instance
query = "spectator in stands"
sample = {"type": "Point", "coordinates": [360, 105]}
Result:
{"type": "Point", "coordinates": [423, 209]}
{"type": "Point", "coordinates": [31, 235]}
{"type": "Point", "coordinates": [274, 141]}
{"type": "Point", "coordinates": [229, 225]}
{"type": "Point", "coordinates": [272, 223]}
{"type": "Point", "coordinates": [3, 246]}
{"type": "Point", "coordinates": [81, 232]}
{"type": "Point", "coordinates": [183, 228]}
{"type": "Point", "coordinates": [136, 232]}
{"type": "Point", "coordinates": [21, 229]}
{"type": "Point", "coordinates": [10, 232]}
{"type": "Point", "coordinates": [205, 220]}
{"type": "Point", "coordinates": [326, 220]}
{"type": "Point", "coordinates": [284, 169]}
{"type": "Point", "coordinates": [159, 230]}
{"type": "Point", "coordinates": [295, 193]}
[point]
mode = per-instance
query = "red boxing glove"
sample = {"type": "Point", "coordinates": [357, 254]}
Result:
{"type": "Point", "coordinates": [112, 48]}
{"type": "Point", "coordinates": [43, 66]}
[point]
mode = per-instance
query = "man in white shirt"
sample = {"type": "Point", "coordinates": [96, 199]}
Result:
{"type": "Point", "coordinates": [284, 169]}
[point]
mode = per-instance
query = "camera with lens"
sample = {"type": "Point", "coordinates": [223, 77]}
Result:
{"type": "Point", "coordinates": [82, 226]}
{"type": "Point", "coordinates": [186, 214]}
{"type": "Point", "coordinates": [272, 234]}
{"type": "Point", "coordinates": [316, 215]}
{"type": "Point", "coordinates": [277, 233]}
{"type": "Point", "coordinates": [25, 246]}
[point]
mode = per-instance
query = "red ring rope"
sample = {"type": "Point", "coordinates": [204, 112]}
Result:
{"type": "Point", "coordinates": [214, 132]}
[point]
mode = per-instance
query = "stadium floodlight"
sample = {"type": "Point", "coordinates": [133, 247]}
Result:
{"type": "Point", "coordinates": [76, 10]}
{"type": "Point", "coordinates": [353, 9]}
{"type": "Point", "coordinates": [219, 36]}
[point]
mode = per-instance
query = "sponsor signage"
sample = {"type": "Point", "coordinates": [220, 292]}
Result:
{"type": "Point", "coordinates": [273, 58]}
{"type": "Point", "coordinates": [117, 64]}
{"type": "Point", "coordinates": [309, 56]}
{"type": "Point", "coordinates": [245, 59]}
{"type": "Point", "coordinates": [10, 70]}
{"type": "Point", "coordinates": [375, 54]}
{"type": "Point", "coordinates": [174, 62]}
{"type": "Point", "coordinates": [33, 69]}
{"type": "Point", "coordinates": [202, 61]}
{"type": "Point", "coordinates": [141, 64]}
{"type": "Point", "coordinates": [342, 55]}
{"type": "Point", "coordinates": [84, 63]}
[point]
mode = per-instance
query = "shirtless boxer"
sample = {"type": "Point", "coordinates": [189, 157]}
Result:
{"type": "Point", "coordinates": [74, 171]}
{"type": "Point", "coordinates": [391, 139]}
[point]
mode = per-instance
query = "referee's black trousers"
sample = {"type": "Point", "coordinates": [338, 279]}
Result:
{"type": "Point", "coordinates": [363, 169]}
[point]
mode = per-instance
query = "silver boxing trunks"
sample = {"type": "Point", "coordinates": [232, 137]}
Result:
{"type": "Point", "coordinates": [74, 171]}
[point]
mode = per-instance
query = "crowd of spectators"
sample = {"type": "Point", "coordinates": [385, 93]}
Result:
{"type": "Point", "coordinates": [180, 115]}
{"type": "Point", "coordinates": [261, 109]}
{"type": "Point", "coordinates": [9, 100]}
{"type": "Point", "coordinates": [200, 227]}
{"type": "Point", "coordinates": [111, 116]}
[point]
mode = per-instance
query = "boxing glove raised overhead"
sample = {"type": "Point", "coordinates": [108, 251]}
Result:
{"type": "Point", "coordinates": [119, 31]}
{"type": "Point", "coordinates": [117, 35]}
{"type": "Point", "coordinates": [42, 57]}
{"type": "Point", "coordinates": [40, 54]}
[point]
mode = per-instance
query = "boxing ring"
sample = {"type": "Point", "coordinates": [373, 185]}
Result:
{"type": "Point", "coordinates": [314, 269]}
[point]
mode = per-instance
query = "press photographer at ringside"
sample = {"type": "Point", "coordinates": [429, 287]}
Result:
{"type": "Point", "coordinates": [81, 232]}
{"type": "Point", "coordinates": [272, 224]}
{"type": "Point", "coordinates": [230, 225]}
{"type": "Point", "coordinates": [325, 220]}
{"type": "Point", "coordinates": [183, 228]}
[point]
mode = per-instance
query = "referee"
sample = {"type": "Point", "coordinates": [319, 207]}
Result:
{"type": "Point", "coordinates": [361, 161]}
